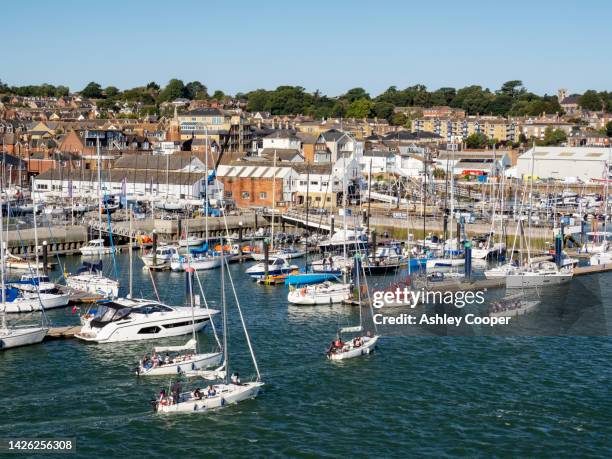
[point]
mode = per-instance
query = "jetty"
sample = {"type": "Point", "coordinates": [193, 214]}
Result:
{"type": "Point", "coordinates": [62, 332]}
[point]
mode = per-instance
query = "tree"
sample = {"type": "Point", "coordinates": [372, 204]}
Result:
{"type": "Point", "coordinates": [196, 90]}
{"type": "Point", "coordinates": [553, 137]}
{"type": "Point", "coordinates": [153, 86]}
{"type": "Point", "coordinates": [590, 100]}
{"type": "Point", "coordinates": [383, 110]}
{"type": "Point", "coordinates": [111, 92]}
{"type": "Point", "coordinates": [439, 174]}
{"type": "Point", "coordinates": [609, 129]}
{"type": "Point", "coordinates": [62, 91]}
{"type": "Point", "coordinates": [398, 119]}
{"type": "Point", "coordinates": [218, 95]}
{"type": "Point", "coordinates": [175, 89]}
{"type": "Point", "coordinates": [355, 94]}
{"type": "Point", "coordinates": [512, 88]}
{"type": "Point", "coordinates": [360, 108]}
{"type": "Point", "coordinates": [92, 91]}
{"type": "Point", "coordinates": [476, 140]}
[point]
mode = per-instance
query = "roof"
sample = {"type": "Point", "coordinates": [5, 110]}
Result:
{"type": "Point", "coordinates": [573, 99]}
{"type": "Point", "coordinates": [253, 171]}
{"type": "Point", "coordinates": [116, 176]}
{"type": "Point", "coordinates": [282, 154]}
{"type": "Point", "coordinates": [283, 134]}
{"type": "Point", "coordinates": [377, 154]}
{"type": "Point", "coordinates": [567, 153]}
{"type": "Point", "coordinates": [172, 162]}
{"type": "Point", "coordinates": [332, 135]}
{"type": "Point", "coordinates": [203, 112]}
{"type": "Point", "coordinates": [407, 135]}
{"type": "Point", "coordinates": [307, 138]}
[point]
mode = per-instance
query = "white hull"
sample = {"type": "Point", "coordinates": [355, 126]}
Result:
{"type": "Point", "coordinates": [500, 271]}
{"type": "Point", "coordinates": [438, 263]}
{"type": "Point", "coordinates": [199, 264]}
{"type": "Point", "coordinates": [349, 351]}
{"type": "Point", "coordinates": [226, 394]}
{"type": "Point", "coordinates": [602, 258]}
{"type": "Point", "coordinates": [320, 294]}
{"type": "Point", "coordinates": [196, 362]}
{"type": "Point", "coordinates": [32, 302]}
{"type": "Point", "coordinates": [94, 283]}
{"type": "Point", "coordinates": [21, 336]}
{"type": "Point", "coordinates": [524, 308]}
{"type": "Point", "coordinates": [531, 279]}
{"type": "Point", "coordinates": [191, 242]}
{"type": "Point", "coordinates": [91, 251]}
{"type": "Point", "coordinates": [158, 262]}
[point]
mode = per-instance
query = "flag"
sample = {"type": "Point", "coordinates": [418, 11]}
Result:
{"type": "Point", "coordinates": [70, 188]}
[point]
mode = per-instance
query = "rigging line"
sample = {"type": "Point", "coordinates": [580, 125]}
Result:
{"type": "Point", "coordinates": [246, 332]}
{"type": "Point", "coordinates": [212, 323]}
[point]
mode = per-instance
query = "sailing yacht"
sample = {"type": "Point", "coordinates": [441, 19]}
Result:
{"type": "Point", "coordinates": [360, 344]}
{"type": "Point", "coordinates": [184, 358]}
{"type": "Point", "coordinates": [225, 392]}
{"type": "Point", "coordinates": [539, 275]}
{"type": "Point", "coordinates": [89, 278]}
{"type": "Point", "coordinates": [12, 336]}
{"type": "Point", "coordinates": [327, 292]}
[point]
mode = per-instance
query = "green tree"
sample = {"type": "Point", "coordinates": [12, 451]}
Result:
{"type": "Point", "coordinates": [218, 95]}
{"type": "Point", "coordinates": [355, 94]}
{"type": "Point", "coordinates": [439, 174]}
{"type": "Point", "coordinates": [383, 110]}
{"type": "Point", "coordinates": [153, 86]}
{"type": "Point", "coordinates": [360, 108]}
{"type": "Point", "coordinates": [175, 89]}
{"type": "Point", "coordinates": [476, 140]}
{"type": "Point", "coordinates": [62, 91]}
{"type": "Point", "coordinates": [553, 137]}
{"type": "Point", "coordinates": [609, 129]}
{"type": "Point", "coordinates": [398, 119]}
{"type": "Point", "coordinates": [196, 90]}
{"type": "Point", "coordinates": [92, 91]}
{"type": "Point", "coordinates": [590, 100]}
{"type": "Point", "coordinates": [512, 88]}
{"type": "Point", "coordinates": [111, 92]}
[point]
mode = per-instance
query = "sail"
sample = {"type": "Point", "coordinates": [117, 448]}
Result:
{"type": "Point", "coordinates": [309, 278]}
{"type": "Point", "coordinates": [199, 250]}
{"type": "Point", "coordinates": [355, 329]}
{"type": "Point", "coordinates": [189, 345]}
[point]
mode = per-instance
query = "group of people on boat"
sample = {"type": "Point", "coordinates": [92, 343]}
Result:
{"type": "Point", "coordinates": [341, 346]}
{"type": "Point", "coordinates": [156, 360]}
{"type": "Point", "coordinates": [331, 263]}
{"type": "Point", "coordinates": [499, 306]}
{"type": "Point", "coordinates": [211, 391]}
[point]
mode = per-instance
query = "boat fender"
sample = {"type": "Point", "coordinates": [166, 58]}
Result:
{"type": "Point", "coordinates": [222, 401]}
{"type": "Point", "coordinates": [178, 369]}
{"type": "Point", "coordinates": [193, 365]}
{"type": "Point", "coordinates": [303, 291]}
{"type": "Point", "coordinates": [195, 407]}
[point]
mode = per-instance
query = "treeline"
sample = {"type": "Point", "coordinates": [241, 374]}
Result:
{"type": "Point", "coordinates": [512, 99]}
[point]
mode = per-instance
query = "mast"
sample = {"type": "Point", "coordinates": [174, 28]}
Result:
{"type": "Point", "coordinates": [2, 258]}
{"type": "Point", "coordinates": [99, 188]}
{"type": "Point", "coordinates": [344, 191]}
{"type": "Point", "coordinates": [205, 189]}
{"type": "Point", "coordinates": [273, 199]}
{"type": "Point", "coordinates": [130, 251]}
{"type": "Point", "coordinates": [35, 231]}
{"type": "Point", "coordinates": [307, 190]}
{"type": "Point", "coordinates": [528, 242]}
{"type": "Point", "coordinates": [223, 302]}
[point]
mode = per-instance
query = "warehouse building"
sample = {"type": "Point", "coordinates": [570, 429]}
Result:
{"type": "Point", "coordinates": [563, 163]}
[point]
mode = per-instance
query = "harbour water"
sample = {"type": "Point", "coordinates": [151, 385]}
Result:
{"type": "Point", "coordinates": [416, 395]}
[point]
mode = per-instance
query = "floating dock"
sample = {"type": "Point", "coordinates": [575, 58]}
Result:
{"type": "Point", "coordinates": [62, 332]}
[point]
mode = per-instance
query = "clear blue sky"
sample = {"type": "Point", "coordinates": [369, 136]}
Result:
{"type": "Point", "coordinates": [330, 45]}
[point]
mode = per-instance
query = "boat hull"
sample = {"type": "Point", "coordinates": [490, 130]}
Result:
{"type": "Point", "coordinates": [351, 352]}
{"type": "Point", "coordinates": [197, 362]}
{"type": "Point", "coordinates": [21, 337]}
{"type": "Point", "coordinates": [227, 395]}
{"type": "Point", "coordinates": [528, 280]}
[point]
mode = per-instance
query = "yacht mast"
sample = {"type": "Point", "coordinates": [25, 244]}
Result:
{"type": "Point", "coordinates": [223, 302]}
{"type": "Point", "coordinates": [2, 258]}
{"type": "Point", "coordinates": [344, 192]}
{"type": "Point", "coordinates": [99, 188]}
{"type": "Point", "coordinates": [130, 209]}
{"type": "Point", "coordinates": [273, 198]}
{"type": "Point", "coordinates": [35, 231]}
{"type": "Point", "coordinates": [205, 190]}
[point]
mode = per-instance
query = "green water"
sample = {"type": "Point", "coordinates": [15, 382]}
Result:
{"type": "Point", "coordinates": [435, 396]}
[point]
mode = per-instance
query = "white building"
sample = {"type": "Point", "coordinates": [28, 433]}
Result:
{"type": "Point", "coordinates": [379, 162]}
{"type": "Point", "coordinates": [583, 163]}
{"type": "Point", "coordinates": [166, 147]}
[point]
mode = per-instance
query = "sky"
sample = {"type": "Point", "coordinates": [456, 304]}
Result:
{"type": "Point", "coordinates": [331, 45]}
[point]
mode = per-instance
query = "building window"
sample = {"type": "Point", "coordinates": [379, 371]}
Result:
{"type": "Point", "coordinates": [42, 187]}
{"type": "Point", "coordinates": [263, 195]}
{"type": "Point", "coordinates": [246, 195]}
{"type": "Point", "coordinates": [318, 198]}
{"type": "Point", "coordinates": [228, 194]}
{"type": "Point", "coordinates": [303, 182]}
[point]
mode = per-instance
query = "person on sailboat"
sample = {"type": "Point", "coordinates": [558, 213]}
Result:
{"type": "Point", "coordinates": [197, 394]}
{"type": "Point", "coordinates": [176, 392]}
{"type": "Point", "coordinates": [236, 378]}
{"type": "Point", "coordinates": [211, 391]}
{"type": "Point", "coordinates": [338, 344]}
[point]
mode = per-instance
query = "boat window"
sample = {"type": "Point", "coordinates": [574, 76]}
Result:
{"type": "Point", "coordinates": [150, 309]}
{"type": "Point", "coordinates": [149, 330]}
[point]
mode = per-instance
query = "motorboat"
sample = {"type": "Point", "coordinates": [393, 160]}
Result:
{"type": "Point", "coordinates": [176, 361]}
{"type": "Point", "coordinates": [324, 293]}
{"type": "Point", "coordinates": [286, 253]}
{"type": "Point", "coordinates": [487, 251]}
{"type": "Point", "coordinates": [89, 278]}
{"type": "Point", "coordinates": [539, 275]}
{"type": "Point", "coordinates": [342, 237]}
{"type": "Point", "coordinates": [275, 266]}
{"type": "Point", "coordinates": [512, 306]}
{"type": "Point", "coordinates": [95, 247]}
{"type": "Point", "coordinates": [597, 242]}
{"type": "Point", "coordinates": [602, 258]}
{"type": "Point", "coordinates": [386, 259]}
{"type": "Point", "coordinates": [140, 319]}
{"type": "Point", "coordinates": [160, 258]}
{"type": "Point", "coordinates": [441, 263]}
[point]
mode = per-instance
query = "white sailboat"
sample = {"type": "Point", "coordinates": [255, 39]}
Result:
{"type": "Point", "coordinates": [184, 358]}
{"type": "Point", "coordinates": [225, 392]}
{"type": "Point", "coordinates": [360, 344]}
{"type": "Point", "coordinates": [14, 336]}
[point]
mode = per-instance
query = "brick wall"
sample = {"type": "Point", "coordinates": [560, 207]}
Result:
{"type": "Point", "coordinates": [239, 187]}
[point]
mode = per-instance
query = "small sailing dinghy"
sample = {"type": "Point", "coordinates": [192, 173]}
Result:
{"type": "Point", "coordinates": [360, 344]}
{"type": "Point", "coordinates": [225, 392]}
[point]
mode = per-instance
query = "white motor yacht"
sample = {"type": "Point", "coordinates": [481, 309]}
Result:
{"type": "Point", "coordinates": [324, 293]}
{"type": "Point", "coordinates": [159, 258]}
{"type": "Point", "coordinates": [140, 319]}
{"type": "Point", "coordinates": [275, 266]}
